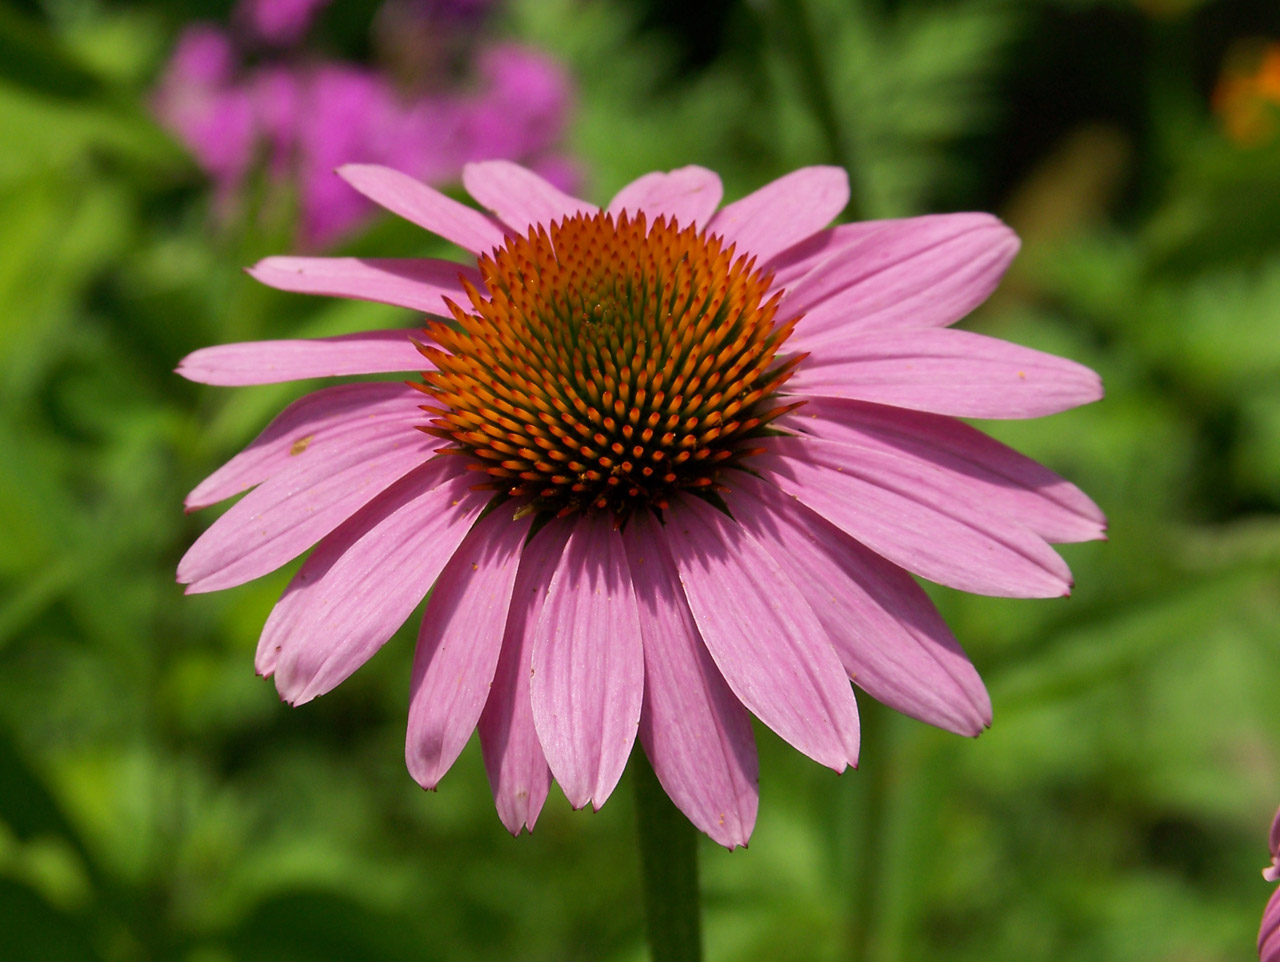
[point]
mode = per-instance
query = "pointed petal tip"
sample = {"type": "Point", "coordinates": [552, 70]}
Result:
{"type": "Point", "coordinates": [347, 171]}
{"type": "Point", "coordinates": [1099, 389]}
{"type": "Point", "coordinates": [427, 780]}
{"type": "Point", "coordinates": [972, 728]}
{"type": "Point", "coordinates": [359, 175]}
{"type": "Point", "coordinates": [257, 270]}
{"type": "Point", "coordinates": [518, 823]}
{"type": "Point", "coordinates": [1009, 240]}
{"type": "Point", "coordinates": [729, 842]}
{"type": "Point", "coordinates": [513, 823]}
{"type": "Point", "coordinates": [294, 699]}
{"type": "Point", "coordinates": [838, 764]}
{"type": "Point", "coordinates": [516, 813]}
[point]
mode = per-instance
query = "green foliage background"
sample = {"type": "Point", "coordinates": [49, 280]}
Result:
{"type": "Point", "coordinates": [156, 800]}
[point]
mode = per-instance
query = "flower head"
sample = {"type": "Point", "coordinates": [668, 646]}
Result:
{"type": "Point", "coordinates": [666, 464]}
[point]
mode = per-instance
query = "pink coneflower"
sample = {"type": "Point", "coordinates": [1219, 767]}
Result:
{"type": "Point", "coordinates": [1269, 931]}
{"type": "Point", "coordinates": [665, 465]}
{"type": "Point", "coordinates": [295, 119]}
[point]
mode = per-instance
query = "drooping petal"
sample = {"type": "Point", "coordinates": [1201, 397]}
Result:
{"type": "Point", "coordinates": [271, 362]}
{"type": "Point", "coordinates": [1269, 931]}
{"type": "Point", "coordinates": [363, 580]}
{"type": "Point", "coordinates": [917, 273]}
{"type": "Point", "coordinates": [519, 197]}
{"type": "Point", "coordinates": [588, 663]}
{"type": "Point", "coordinates": [764, 638]}
{"type": "Point", "coordinates": [889, 636]}
{"type": "Point", "coordinates": [419, 284]}
{"type": "Point", "coordinates": [309, 427]}
{"type": "Point", "coordinates": [1016, 486]}
{"type": "Point", "coordinates": [513, 757]}
{"type": "Point", "coordinates": [947, 372]}
{"type": "Point", "coordinates": [459, 643]}
{"type": "Point", "coordinates": [689, 194]}
{"type": "Point", "coordinates": [287, 514]}
{"type": "Point", "coordinates": [913, 516]}
{"type": "Point", "coordinates": [696, 733]}
{"type": "Point", "coordinates": [424, 206]}
{"type": "Point", "coordinates": [784, 212]}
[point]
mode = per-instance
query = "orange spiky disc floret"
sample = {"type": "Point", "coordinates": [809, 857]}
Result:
{"type": "Point", "coordinates": [608, 364]}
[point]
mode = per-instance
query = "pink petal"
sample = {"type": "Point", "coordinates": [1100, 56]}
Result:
{"type": "Point", "coordinates": [364, 580]}
{"type": "Point", "coordinates": [690, 195]}
{"type": "Point", "coordinates": [424, 206]}
{"type": "Point", "coordinates": [1272, 874]}
{"type": "Point", "coordinates": [766, 641]}
{"type": "Point", "coordinates": [287, 514]}
{"type": "Point", "coordinates": [792, 264]}
{"type": "Point", "coordinates": [920, 272]}
{"type": "Point", "coordinates": [309, 428]}
{"type": "Point", "coordinates": [784, 212]}
{"type": "Point", "coordinates": [519, 197]}
{"type": "Point", "coordinates": [913, 515]}
{"type": "Point", "coordinates": [513, 757]}
{"type": "Point", "coordinates": [588, 664]}
{"type": "Point", "coordinates": [459, 643]}
{"type": "Point", "coordinates": [696, 733]}
{"type": "Point", "coordinates": [1269, 931]}
{"type": "Point", "coordinates": [947, 372]}
{"type": "Point", "coordinates": [416, 283]}
{"type": "Point", "coordinates": [1015, 486]}
{"type": "Point", "coordinates": [270, 362]}
{"type": "Point", "coordinates": [890, 638]}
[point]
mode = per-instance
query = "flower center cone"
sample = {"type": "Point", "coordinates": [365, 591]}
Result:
{"type": "Point", "coordinates": [608, 363]}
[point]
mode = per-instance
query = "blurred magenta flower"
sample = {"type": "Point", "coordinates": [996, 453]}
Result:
{"type": "Point", "coordinates": [1269, 932]}
{"type": "Point", "coordinates": [198, 100]}
{"type": "Point", "coordinates": [280, 22]}
{"type": "Point", "coordinates": [668, 464]}
{"type": "Point", "coordinates": [296, 121]}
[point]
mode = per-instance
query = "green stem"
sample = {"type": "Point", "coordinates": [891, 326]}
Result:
{"type": "Point", "coordinates": [793, 22]}
{"type": "Point", "coordinates": [867, 815]}
{"type": "Point", "coordinates": [669, 867]}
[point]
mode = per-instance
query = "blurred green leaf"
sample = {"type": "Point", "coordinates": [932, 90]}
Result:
{"type": "Point", "coordinates": [33, 929]}
{"type": "Point", "coordinates": [26, 804]}
{"type": "Point", "coordinates": [31, 57]}
{"type": "Point", "coordinates": [310, 926]}
{"type": "Point", "coordinates": [890, 91]}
